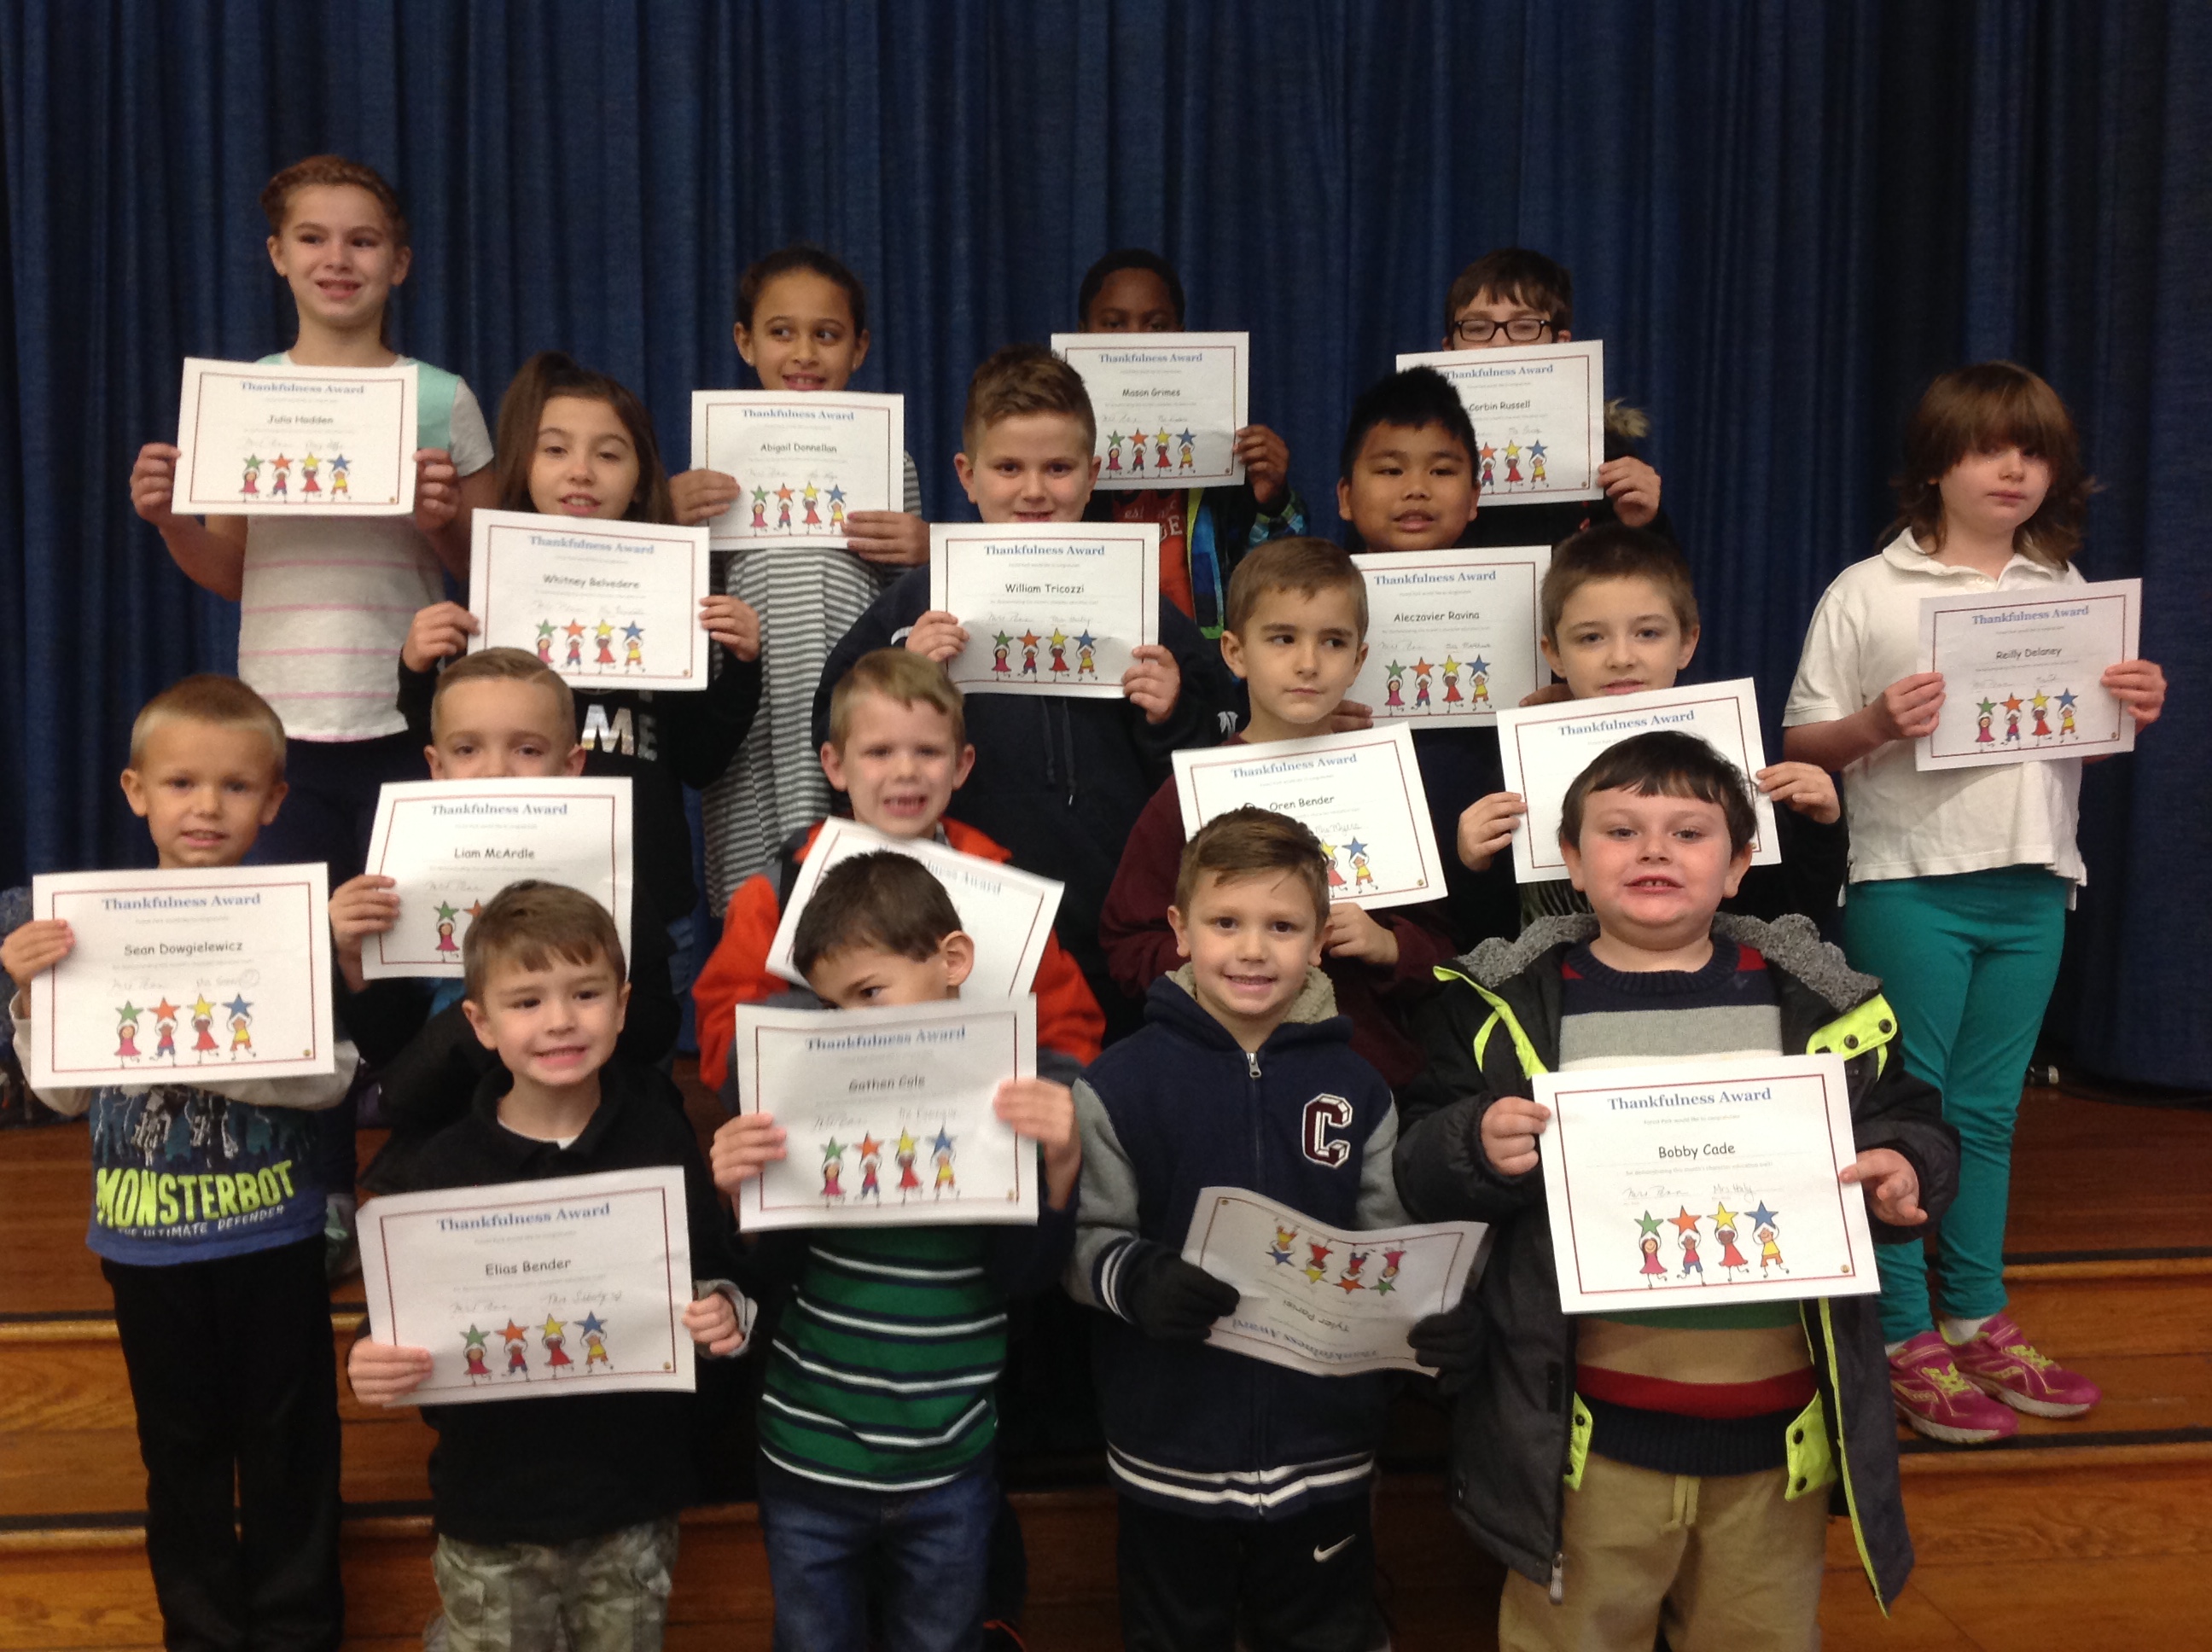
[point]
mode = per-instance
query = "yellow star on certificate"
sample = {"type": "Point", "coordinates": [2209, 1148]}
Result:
{"type": "Point", "coordinates": [203, 1007]}
{"type": "Point", "coordinates": [552, 1327]}
{"type": "Point", "coordinates": [1724, 1217]}
{"type": "Point", "coordinates": [1451, 666]}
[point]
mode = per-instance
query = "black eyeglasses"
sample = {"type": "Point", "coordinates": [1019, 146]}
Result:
{"type": "Point", "coordinates": [1521, 330]}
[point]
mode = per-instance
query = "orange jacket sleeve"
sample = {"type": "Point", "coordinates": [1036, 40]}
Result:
{"type": "Point", "coordinates": [1069, 1019]}
{"type": "Point", "coordinates": [738, 973]}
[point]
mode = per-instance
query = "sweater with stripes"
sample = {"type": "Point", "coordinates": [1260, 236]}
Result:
{"type": "Point", "coordinates": [881, 1372]}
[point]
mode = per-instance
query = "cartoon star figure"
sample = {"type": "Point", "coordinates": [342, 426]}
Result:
{"type": "Point", "coordinates": [1058, 642]}
{"type": "Point", "coordinates": [871, 1164]}
{"type": "Point", "coordinates": [1724, 1232]}
{"type": "Point", "coordinates": [1186, 439]}
{"type": "Point", "coordinates": [594, 1332]}
{"type": "Point", "coordinates": [2066, 714]}
{"type": "Point", "coordinates": [1279, 1252]}
{"type": "Point", "coordinates": [341, 472]}
{"type": "Point", "coordinates": [203, 1024]}
{"type": "Point", "coordinates": [1316, 1267]}
{"type": "Point", "coordinates": [907, 1151]}
{"type": "Point", "coordinates": [574, 633]}
{"type": "Point", "coordinates": [253, 464]}
{"type": "Point", "coordinates": [941, 1151]}
{"type": "Point", "coordinates": [1421, 670]}
{"type": "Point", "coordinates": [165, 1022]}
{"type": "Point", "coordinates": [545, 642]}
{"type": "Point", "coordinates": [1535, 461]}
{"type": "Point", "coordinates": [1386, 1281]}
{"type": "Point", "coordinates": [1350, 1281]}
{"type": "Point", "coordinates": [1137, 456]}
{"type": "Point", "coordinates": [1113, 451]}
{"type": "Point", "coordinates": [126, 1034]}
{"type": "Point", "coordinates": [1000, 644]}
{"type": "Point", "coordinates": [1086, 658]}
{"type": "Point", "coordinates": [833, 1169]}
{"type": "Point", "coordinates": [518, 1349]}
{"type": "Point", "coordinates": [1478, 679]}
{"type": "Point", "coordinates": [474, 1352]}
{"type": "Point", "coordinates": [760, 508]}
{"type": "Point", "coordinates": [2012, 717]}
{"type": "Point", "coordinates": [2042, 704]}
{"type": "Point", "coordinates": [1362, 876]}
{"type": "Point", "coordinates": [241, 1024]}
{"type": "Point", "coordinates": [1029, 641]}
{"type": "Point", "coordinates": [1396, 672]}
{"type": "Point", "coordinates": [1986, 715]}
{"type": "Point", "coordinates": [633, 647]}
{"type": "Point", "coordinates": [783, 506]}
{"type": "Point", "coordinates": [556, 1356]}
{"type": "Point", "coordinates": [1452, 696]}
{"type": "Point", "coordinates": [448, 914]}
{"type": "Point", "coordinates": [604, 636]}
{"type": "Point", "coordinates": [1762, 1228]}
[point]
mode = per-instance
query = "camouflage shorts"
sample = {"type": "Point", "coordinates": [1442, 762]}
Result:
{"type": "Point", "coordinates": [600, 1595]}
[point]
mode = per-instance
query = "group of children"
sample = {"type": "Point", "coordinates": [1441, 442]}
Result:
{"type": "Point", "coordinates": [1206, 1015]}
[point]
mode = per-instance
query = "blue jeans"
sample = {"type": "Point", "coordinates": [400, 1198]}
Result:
{"type": "Point", "coordinates": [928, 1552]}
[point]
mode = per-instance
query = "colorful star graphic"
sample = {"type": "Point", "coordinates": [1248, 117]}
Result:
{"type": "Point", "coordinates": [1724, 1217]}
{"type": "Point", "coordinates": [870, 1147]}
{"type": "Point", "coordinates": [166, 1010]}
{"type": "Point", "coordinates": [238, 1005]}
{"type": "Point", "coordinates": [1350, 1283]}
{"type": "Point", "coordinates": [832, 1149]}
{"type": "Point", "coordinates": [473, 1337]}
{"type": "Point", "coordinates": [1989, 708]}
{"type": "Point", "coordinates": [448, 912]}
{"type": "Point", "coordinates": [1684, 1222]}
{"type": "Point", "coordinates": [1059, 638]}
{"type": "Point", "coordinates": [2066, 700]}
{"type": "Point", "coordinates": [592, 1325]}
{"type": "Point", "coordinates": [1086, 641]}
{"type": "Point", "coordinates": [552, 1327]}
{"type": "Point", "coordinates": [1355, 848]}
{"type": "Point", "coordinates": [1763, 1217]}
{"type": "Point", "coordinates": [129, 1011]}
{"type": "Point", "coordinates": [1477, 666]}
{"type": "Point", "coordinates": [944, 1142]}
{"type": "Point", "coordinates": [1422, 668]}
{"type": "Point", "coordinates": [1187, 438]}
{"type": "Point", "coordinates": [1647, 1222]}
{"type": "Point", "coordinates": [632, 630]}
{"type": "Point", "coordinates": [514, 1333]}
{"type": "Point", "coordinates": [202, 1008]}
{"type": "Point", "coordinates": [1451, 666]}
{"type": "Point", "coordinates": [572, 630]}
{"type": "Point", "coordinates": [1396, 670]}
{"type": "Point", "coordinates": [1536, 450]}
{"type": "Point", "coordinates": [1003, 640]}
{"type": "Point", "coordinates": [2013, 704]}
{"type": "Point", "coordinates": [784, 493]}
{"type": "Point", "coordinates": [836, 495]}
{"type": "Point", "coordinates": [1030, 639]}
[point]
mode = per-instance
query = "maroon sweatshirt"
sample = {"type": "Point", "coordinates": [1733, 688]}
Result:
{"type": "Point", "coordinates": [1140, 947]}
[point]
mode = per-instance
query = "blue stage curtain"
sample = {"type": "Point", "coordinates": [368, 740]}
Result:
{"type": "Point", "coordinates": [1782, 221]}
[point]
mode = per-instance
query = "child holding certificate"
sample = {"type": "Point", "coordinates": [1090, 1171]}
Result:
{"type": "Point", "coordinates": [1296, 633]}
{"type": "Point", "coordinates": [577, 443]}
{"type": "Point", "coordinates": [1961, 878]}
{"type": "Point", "coordinates": [1204, 531]}
{"type": "Point", "coordinates": [322, 599]}
{"type": "Point", "coordinates": [560, 1513]}
{"type": "Point", "coordinates": [1755, 1406]}
{"type": "Point", "coordinates": [208, 1220]}
{"type": "Point", "coordinates": [1061, 782]}
{"type": "Point", "coordinates": [879, 1418]}
{"type": "Point", "coordinates": [496, 714]}
{"type": "Point", "coordinates": [1244, 1484]}
{"type": "Point", "coordinates": [802, 325]}
{"type": "Point", "coordinates": [1512, 297]}
{"type": "Point", "coordinates": [1621, 617]}
{"type": "Point", "coordinates": [898, 751]}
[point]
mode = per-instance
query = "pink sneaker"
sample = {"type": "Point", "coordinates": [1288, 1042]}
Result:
{"type": "Point", "coordinates": [1997, 1360]}
{"type": "Point", "coordinates": [1937, 1400]}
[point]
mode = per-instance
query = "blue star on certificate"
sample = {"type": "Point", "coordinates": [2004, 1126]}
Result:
{"type": "Point", "coordinates": [1477, 666]}
{"type": "Point", "coordinates": [1086, 641]}
{"type": "Point", "coordinates": [944, 1142]}
{"type": "Point", "coordinates": [632, 630]}
{"type": "Point", "coordinates": [592, 1325]}
{"type": "Point", "coordinates": [2066, 700]}
{"type": "Point", "coordinates": [1536, 450]}
{"type": "Point", "coordinates": [238, 1005]}
{"type": "Point", "coordinates": [1763, 1217]}
{"type": "Point", "coordinates": [1355, 847]}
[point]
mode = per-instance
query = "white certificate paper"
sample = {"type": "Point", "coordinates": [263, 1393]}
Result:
{"type": "Point", "coordinates": [221, 973]}
{"type": "Point", "coordinates": [887, 1113]}
{"type": "Point", "coordinates": [1319, 1300]}
{"type": "Point", "coordinates": [1539, 416]}
{"type": "Point", "coordinates": [1667, 1183]}
{"type": "Point", "coordinates": [1452, 634]}
{"type": "Point", "coordinates": [603, 603]}
{"type": "Point", "coordinates": [1543, 748]}
{"type": "Point", "coordinates": [1008, 914]}
{"type": "Point", "coordinates": [805, 460]}
{"type": "Point", "coordinates": [300, 441]}
{"type": "Point", "coordinates": [2021, 673]}
{"type": "Point", "coordinates": [454, 844]}
{"type": "Point", "coordinates": [1169, 405]}
{"type": "Point", "coordinates": [1050, 607]}
{"type": "Point", "coordinates": [1360, 793]}
{"type": "Point", "coordinates": [530, 1290]}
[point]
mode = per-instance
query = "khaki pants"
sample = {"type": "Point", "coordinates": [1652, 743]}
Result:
{"type": "Point", "coordinates": [602, 1595]}
{"type": "Point", "coordinates": [1724, 1563]}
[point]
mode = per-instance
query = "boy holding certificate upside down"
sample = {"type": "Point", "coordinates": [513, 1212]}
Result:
{"type": "Point", "coordinates": [1244, 1485]}
{"type": "Point", "coordinates": [207, 1221]}
{"type": "Point", "coordinates": [532, 1537]}
{"type": "Point", "coordinates": [880, 1415]}
{"type": "Point", "coordinates": [1703, 1447]}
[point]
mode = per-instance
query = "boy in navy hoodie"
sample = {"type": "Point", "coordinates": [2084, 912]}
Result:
{"type": "Point", "coordinates": [1244, 1484]}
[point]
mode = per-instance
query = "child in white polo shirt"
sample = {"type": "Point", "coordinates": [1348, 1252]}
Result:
{"type": "Point", "coordinates": [1960, 879]}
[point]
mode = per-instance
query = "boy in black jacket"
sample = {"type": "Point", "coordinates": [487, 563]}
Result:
{"type": "Point", "coordinates": [1244, 1484]}
{"type": "Point", "coordinates": [1679, 1466]}
{"type": "Point", "coordinates": [1058, 782]}
{"type": "Point", "coordinates": [527, 1536]}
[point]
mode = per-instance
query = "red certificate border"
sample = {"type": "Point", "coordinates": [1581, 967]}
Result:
{"type": "Point", "coordinates": [229, 504]}
{"type": "Point", "coordinates": [494, 530]}
{"type": "Point", "coordinates": [51, 1010]}
{"type": "Point", "coordinates": [1024, 1166]}
{"type": "Point", "coordinates": [1219, 756]}
{"type": "Point", "coordinates": [893, 480]}
{"type": "Point", "coordinates": [2086, 744]}
{"type": "Point", "coordinates": [385, 1224]}
{"type": "Point", "coordinates": [383, 957]}
{"type": "Point", "coordinates": [1238, 366]}
{"type": "Point", "coordinates": [1857, 1268]}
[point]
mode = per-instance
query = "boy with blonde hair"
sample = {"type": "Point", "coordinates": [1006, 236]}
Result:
{"type": "Point", "coordinates": [1059, 782]}
{"type": "Point", "coordinates": [208, 1220]}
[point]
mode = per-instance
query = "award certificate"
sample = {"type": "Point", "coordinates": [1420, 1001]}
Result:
{"type": "Point", "coordinates": [280, 440]}
{"type": "Point", "coordinates": [2022, 673]}
{"type": "Point", "coordinates": [1452, 635]}
{"type": "Point", "coordinates": [1050, 607]}
{"type": "Point", "coordinates": [606, 605]}
{"type": "Point", "coordinates": [804, 460]}
{"type": "Point", "coordinates": [1539, 416]}
{"type": "Point", "coordinates": [1169, 405]}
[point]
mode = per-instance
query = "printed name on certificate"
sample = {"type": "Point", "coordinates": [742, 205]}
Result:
{"type": "Point", "coordinates": [1539, 416]}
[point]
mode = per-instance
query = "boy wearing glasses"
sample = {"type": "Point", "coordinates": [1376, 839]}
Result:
{"type": "Point", "coordinates": [1513, 297]}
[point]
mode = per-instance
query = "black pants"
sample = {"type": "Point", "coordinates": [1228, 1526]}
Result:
{"type": "Point", "coordinates": [233, 1376]}
{"type": "Point", "coordinates": [1302, 1584]}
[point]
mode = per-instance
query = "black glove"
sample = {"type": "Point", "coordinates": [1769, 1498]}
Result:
{"type": "Point", "coordinates": [1450, 1343]}
{"type": "Point", "coordinates": [1166, 1298]}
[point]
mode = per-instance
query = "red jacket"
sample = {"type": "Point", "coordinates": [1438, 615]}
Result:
{"type": "Point", "coordinates": [1068, 1017]}
{"type": "Point", "coordinates": [1141, 948]}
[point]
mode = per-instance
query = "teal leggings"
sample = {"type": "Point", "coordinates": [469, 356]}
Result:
{"type": "Point", "coordinates": [1968, 962]}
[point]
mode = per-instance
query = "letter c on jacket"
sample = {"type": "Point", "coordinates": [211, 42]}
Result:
{"type": "Point", "coordinates": [1323, 1114]}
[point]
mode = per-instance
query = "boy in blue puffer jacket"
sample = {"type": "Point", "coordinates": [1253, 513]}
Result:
{"type": "Point", "coordinates": [1244, 1484]}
